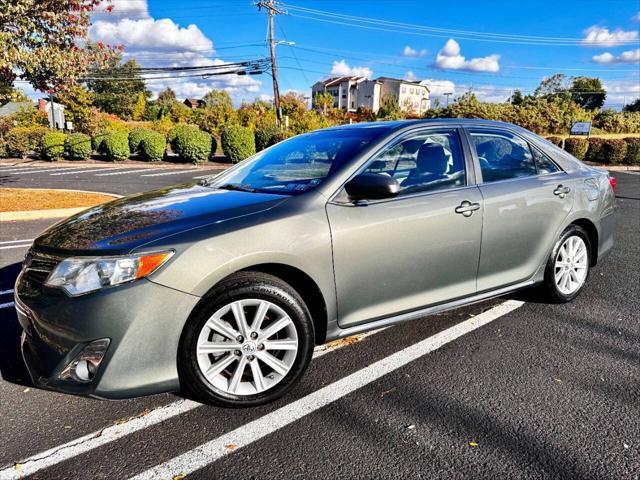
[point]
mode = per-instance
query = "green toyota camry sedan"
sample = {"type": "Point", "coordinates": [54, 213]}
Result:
{"type": "Point", "coordinates": [222, 288]}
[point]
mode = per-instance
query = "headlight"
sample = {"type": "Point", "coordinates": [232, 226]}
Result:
{"type": "Point", "coordinates": [78, 275]}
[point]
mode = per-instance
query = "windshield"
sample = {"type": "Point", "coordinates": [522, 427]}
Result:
{"type": "Point", "coordinates": [300, 163]}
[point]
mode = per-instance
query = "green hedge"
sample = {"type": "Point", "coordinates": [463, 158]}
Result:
{"type": "Point", "coordinates": [280, 136]}
{"type": "Point", "coordinates": [576, 146]}
{"type": "Point", "coordinates": [594, 152]}
{"type": "Point", "coordinates": [22, 140]}
{"type": "Point", "coordinates": [78, 146]}
{"type": "Point", "coordinates": [238, 143]}
{"type": "Point", "coordinates": [263, 136]}
{"type": "Point", "coordinates": [135, 138]}
{"type": "Point", "coordinates": [614, 151]}
{"type": "Point", "coordinates": [116, 146]}
{"type": "Point", "coordinates": [175, 131]}
{"type": "Point", "coordinates": [193, 145]}
{"type": "Point", "coordinates": [152, 146]}
{"type": "Point", "coordinates": [633, 150]}
{"type": "Point", "coordinates": [97, 140]}
{"type": "Point", "coordinates": [52, 146]}
{"type": "Point", "coordinates": [555, 140]}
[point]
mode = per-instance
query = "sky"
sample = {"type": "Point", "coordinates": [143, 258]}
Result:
{"type": "Point", "coordinates": [490, 47]}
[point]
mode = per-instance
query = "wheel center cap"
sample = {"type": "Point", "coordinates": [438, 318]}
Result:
{"type": "Point", "coordinates": [249, 348]}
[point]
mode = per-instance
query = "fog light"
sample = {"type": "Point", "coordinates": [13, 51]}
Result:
{"type": "Point", "coordinates": [84, 366]}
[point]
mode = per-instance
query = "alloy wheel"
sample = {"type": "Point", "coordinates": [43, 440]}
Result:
{"type": "Point", "coordinates": [247, 346]}
{"type": "Point", "coordinates": [571, 265]}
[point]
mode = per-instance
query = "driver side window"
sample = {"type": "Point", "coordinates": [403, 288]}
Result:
{"type": "Point", "coordinates": [423, 162]}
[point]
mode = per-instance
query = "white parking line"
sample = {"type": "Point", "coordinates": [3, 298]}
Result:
{"type": "Point", "coordinates": [17, 241]}
{"type": "Point", "coordinates": [102, 169]}
{"type": "Point", "coordinates": [24, 245]}
{"type": "Point", "coordinates": [6, 292]}
{"type": "Point", "coordinates": [11, 169]}
{"type": "Point", "coordinates": [213, 450]}
{"type": "Point", "coordinates": [119, 173]}
{"type": "Point", "coordinates": [33, 171]}
{"type": "Point", "coordinates": [169, 173]}
{"type": "Point", "coordinates": [94, 440]}
{"type": "Point", "coordinates": [5, 305]}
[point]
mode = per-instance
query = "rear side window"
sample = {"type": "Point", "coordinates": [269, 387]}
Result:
{"type": "Point", "coordinates": [502, 156]}
{"type": "Point", "coordinates": [543, 163]}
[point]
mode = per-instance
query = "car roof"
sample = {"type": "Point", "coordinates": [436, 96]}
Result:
{"type": "Point", "coordinates": [397, 124]}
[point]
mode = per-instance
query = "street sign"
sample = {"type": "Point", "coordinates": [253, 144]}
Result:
{"type": "Point", "coordinates": [581, 128]}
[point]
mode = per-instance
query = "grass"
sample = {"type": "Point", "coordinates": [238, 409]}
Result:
{"type": "Point", "coordinates": [21, 199]}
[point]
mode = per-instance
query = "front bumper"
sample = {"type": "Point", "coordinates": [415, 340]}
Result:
{"type": "Point", "coordinates": [142, 319]}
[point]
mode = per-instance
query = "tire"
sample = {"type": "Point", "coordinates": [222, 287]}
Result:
{"type": "Point", "coordinates": [213, 325]}
{"type": "Point", "coordinates": [553, 289]}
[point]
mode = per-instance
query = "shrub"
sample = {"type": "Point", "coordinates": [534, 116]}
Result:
{"type": "Point", "coordinates": [153, 146]}
{"type": "Point", "coordinates": [633, 150]}
{"type": "Point", "coordinates": [52, 145]}
{"type": "Point", "coordinates": [279, 137]}
{"type": "Point", "coordinates": [238, 143]}
{"type": "Point", "coordinates": [193, 145]}
{"type": "Point", "coordinates": [97, 140]}
{"type": "Point", "coordinates": [78, 146]}
{"type": "Point", "coordinates": [214, 147]}
{"type": "Point", "coordinates": [22, 140]}
{"type": "Point", "coordinates": [576, 147]}
{"type": "Point", "coordinates": [594, 152]}
{"type": "Point", "coordinates": [4, 152]}
{"type": "Point", "coordinates": [614, 151]}
{"type": "Point", "coordinates": [263, 136]}
{"type": "Point", "coordinates": [555, 140]}
{"type": "Point", "coordinates": [135, 138]}
{"type": "Point", "coordinates": [175, 131]}
{"type": "Point", "coordinates": [116, 146]}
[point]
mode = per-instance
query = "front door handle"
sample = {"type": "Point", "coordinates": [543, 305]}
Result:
{"type": "Point", "coordinates": [467, 208]}
{"type": "Point", "coordinates": [561, 191]}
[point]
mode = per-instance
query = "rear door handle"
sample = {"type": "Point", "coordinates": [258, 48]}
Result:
{"type": "Point", "coordinates": [561, 191]}
{"type": "Point", "coordinates": [467, 208]}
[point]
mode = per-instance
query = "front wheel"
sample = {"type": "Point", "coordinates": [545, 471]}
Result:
{"type": "Point", "coordinates": [248, 344]}
{"type": "Point", "coordinates": [568, 266]}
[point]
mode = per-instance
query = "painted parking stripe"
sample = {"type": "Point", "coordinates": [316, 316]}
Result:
{"type": "Point", "coordinates": [169, 173]}
{"type": "Point", "coordinates": [119, 173]}
{"type": "Point", "coordinates": [5, 305]}
{"type": "Point", "coordinates": [16, 241]}
{"type": "Point", "coordinates": [213, 450]}
{"type": "Point", "coordinates": [102, 169]}
{"type": "Point", "coordinates": [6, 292]}
{"type": "Point", "coordinates": [7, 247]}
{"type": "Point", "coordinates": [11, 169]}
{"type": "Point", "coordinates": [34, 171]}
{"type": "Point", "coordinates": [84, 444]}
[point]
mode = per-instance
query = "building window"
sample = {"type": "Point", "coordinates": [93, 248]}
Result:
{"type": "Point", "coordinates": [411, 91]}
{"type": "Point", "coordinates": [404, 89]}
{"type": "Point", "coordinates": [344, 95]}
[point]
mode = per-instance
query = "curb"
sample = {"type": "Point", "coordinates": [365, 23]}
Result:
{"type": "Point", "coordinates": [615, 168]}
{"type": "Point", "coordinates": [52, 212]}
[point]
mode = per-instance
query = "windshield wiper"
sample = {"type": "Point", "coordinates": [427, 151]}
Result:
{"type": "Point", "coordinates": [238, 187]}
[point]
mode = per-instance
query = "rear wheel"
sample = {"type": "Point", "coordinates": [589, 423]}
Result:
{"type": "Point", "coordinates": [248, 344]}
{"type": "Point", "coordinates": [568, 266]}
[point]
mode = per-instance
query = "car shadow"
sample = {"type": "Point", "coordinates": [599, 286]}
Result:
{"type": "Point", "coordinates": [12, 368]}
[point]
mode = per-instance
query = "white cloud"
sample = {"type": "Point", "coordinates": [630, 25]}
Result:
{"type": "Point", "coordinates": [410, 76]}
{"type": "Point", "coordinates": [606, 58]}
{"type": "Point", "coordinates": [620, 91]}
{"type": "Point", "coordinates": [342, 69]}
{"type": "Point", "coordinates": [450, 58]}
{"type": "Point", "coordinates": [164, 43]}
{"type": "Point", "coordinates": [601, 37]}
{"type": "Point", "coordinates": [412, 52]}
{"type": "Point", "coordinates": [437, 89]}
{"type": "Point", "coordinates": [636, 17]}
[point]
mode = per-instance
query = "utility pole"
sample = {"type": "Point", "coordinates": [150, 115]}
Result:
{"type": "Point", "coordinates": [448, 94]}
{"type": "Point", "coordinates": [272, 10]}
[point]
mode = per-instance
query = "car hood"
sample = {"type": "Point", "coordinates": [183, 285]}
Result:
{"type": "Point", "coordinates": [124, 224]}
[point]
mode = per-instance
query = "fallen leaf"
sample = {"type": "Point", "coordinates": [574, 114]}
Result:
{"type": "Point", "coordinates": [231, 446]}
{"type": "Point", "coordinates": [180, 477]}
{"type": "Point", "coordinates": [473, 444]}
{"type": "Point", "coordinates": [17, 466]}
{"type": "Point", "coordinates": [411, 427]}
{"type": "Point", "coordinates": [557, 380]}
{"type": "Point", "coordinates": [26, 390]}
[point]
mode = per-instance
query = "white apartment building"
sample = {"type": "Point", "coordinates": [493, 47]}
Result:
{"type": "Point", "coordinates": [351, 93]}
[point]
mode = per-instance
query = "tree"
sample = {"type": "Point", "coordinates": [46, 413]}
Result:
{"type": "Point", "coordinates": [217, 113]}
{"type": "Point", "coordinates": [323, 101]}
{"type": "Point", "coordinates": [633, 106]}
{"type": "Point", "coordinates": [166, 97]}
{"type": "Point", "coordinates": [117, 87]}
{"type": "Point", "coordinates": [10, 94]}
{"type": "Point", "coordinates": [390, 109]}
{"type": "Point", "coordinates": [138, 111]}
{"type": "Point", "coordinates": [553, 85]}
{"type": "Point", "coordinates": [45, 42]}
{"type": "Point", "coordinates": [588, 92]}
{"type": "Point", "coordinates": [77, 103]}
{"type": "Point", "coordinates": [517, 98]}
{"type": "Point", "coordinates": [293, 104]}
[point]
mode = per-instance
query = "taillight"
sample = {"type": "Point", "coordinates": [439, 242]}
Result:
{"type": "Point", "coordinates": [612, 182]}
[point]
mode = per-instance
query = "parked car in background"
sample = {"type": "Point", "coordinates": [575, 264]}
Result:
{"type": "Point", "coordinates": [224, 287]}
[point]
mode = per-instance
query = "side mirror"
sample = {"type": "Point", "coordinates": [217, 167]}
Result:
{"type": "Point", "coordinates": [372, 186]}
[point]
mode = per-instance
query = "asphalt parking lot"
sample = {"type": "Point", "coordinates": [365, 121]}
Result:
{"type": "Point", "coordinates": [510, 388]}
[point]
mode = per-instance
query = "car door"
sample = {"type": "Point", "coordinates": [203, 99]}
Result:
{"type": "Point", "coordinates": [396, 255]}
{"type": "Point", "coordinates": [526, 199]}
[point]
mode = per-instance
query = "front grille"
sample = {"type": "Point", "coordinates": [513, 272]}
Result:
{"type": "Point", "coordinates": [37, 267]}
